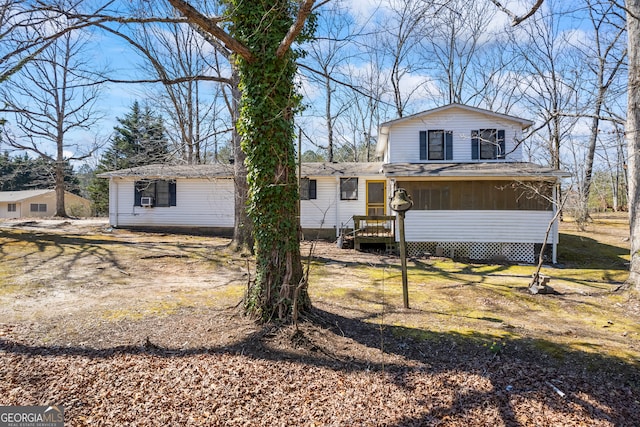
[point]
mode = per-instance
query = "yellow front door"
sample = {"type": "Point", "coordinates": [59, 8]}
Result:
{"type": "Point", "coordinates": [376, 198]}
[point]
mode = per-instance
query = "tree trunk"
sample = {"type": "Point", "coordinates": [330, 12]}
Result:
{"type": "Point", "coordinates": [59, 165]}
{"type": "Point", "coordinates": [60, 208]}
{"type": "Point", "coordinates": [266, 125]}
{"type": "Point", "coordinates": [243, 225]}
{"type": "Point", "coordinates": [633, 136]}
{"type": "Point", "coordinates": [583, 214]}
{"type": "Point", "coordinates": [329, 118]}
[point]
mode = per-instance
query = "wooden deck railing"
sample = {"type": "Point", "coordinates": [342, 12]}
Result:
{"type": "Point", "coordinates": [379, 229]}
{"type": "Point", "coordinates": [374, 226]}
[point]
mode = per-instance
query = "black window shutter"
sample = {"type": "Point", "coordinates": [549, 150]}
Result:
{"type": "Point", "coordinates": [502, 151]}
{"type": "Point", "coordinates": [448, 146]}
{"type": "Point", "coordinates": [172, 193]}
{"type": "Point", "coordinates": [313, 189]}
{"type": "Point", "coordinates": [137, 194]}
{"type": "Point", "coordinates": [475, 145]}
{"type": "Point", "coordinates": [423, 145]}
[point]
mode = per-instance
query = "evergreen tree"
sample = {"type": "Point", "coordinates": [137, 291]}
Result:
{"type": "Point", "coordinates": [25, 173]}
{"type": "Point", "coordinates": [139, 140]}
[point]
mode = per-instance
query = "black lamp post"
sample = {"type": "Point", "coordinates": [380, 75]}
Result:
{"type": "Point", "coordinates": [400, 203]}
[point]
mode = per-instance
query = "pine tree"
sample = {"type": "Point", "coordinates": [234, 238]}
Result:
{"type": "Point", "coordinates": [139, 140]}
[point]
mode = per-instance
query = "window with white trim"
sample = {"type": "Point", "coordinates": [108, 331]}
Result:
{"type": "Point", "coordinates": [11, 207]}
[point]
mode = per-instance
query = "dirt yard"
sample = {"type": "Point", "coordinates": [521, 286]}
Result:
{"type": "Point", "coordinates": [130, 328]}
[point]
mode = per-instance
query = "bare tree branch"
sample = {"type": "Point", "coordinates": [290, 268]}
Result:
{"type": "Point", "coordinates": [296, 28]}
{"type": "Point", "coordinates": [210, 26]}
{"type": "Point", "coordinates": [515, 19]}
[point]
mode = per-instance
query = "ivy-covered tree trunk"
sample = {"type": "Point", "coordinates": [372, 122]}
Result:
{"type": "Point", "coordinates": [260, 34]}
{"type": "Point", "coordinates": [266, 125]}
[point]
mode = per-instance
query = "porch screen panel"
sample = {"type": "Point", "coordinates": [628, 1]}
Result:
{"type": "Point", "coordinates": [478, 195]}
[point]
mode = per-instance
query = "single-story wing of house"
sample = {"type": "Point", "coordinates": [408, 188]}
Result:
{"type": "Point", "coordinates": [473, 196]}
{"type": "Point", "coordinates": [40, 203]}
{"type": "Point", "coordinates": [202, 196]}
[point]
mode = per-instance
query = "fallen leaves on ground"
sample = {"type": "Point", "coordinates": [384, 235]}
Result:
{"type": "Point", "coordinates": [312, 376]}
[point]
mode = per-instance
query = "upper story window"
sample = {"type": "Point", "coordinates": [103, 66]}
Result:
{"type": "Point", "coordinates": [488, 144]}
{"type": "Point", "coordinates": [348, 188]}
{"type": "Point", "coordinates": [436, 145]}
{"type": "Point", "coordinates": [308, 189]}
{"type": "Point", "coordinates": [161, 192]}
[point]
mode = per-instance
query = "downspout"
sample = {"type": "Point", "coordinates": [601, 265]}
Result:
{"type": "Point", "coordinates": [299, 178]}
{"type": "Point", "coordinates": [337, 195]}
{"type": "Point", "coordinates": [115, 200]}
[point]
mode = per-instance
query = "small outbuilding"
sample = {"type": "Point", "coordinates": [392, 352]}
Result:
{"type": "Point", "coordinates": [40, 203]}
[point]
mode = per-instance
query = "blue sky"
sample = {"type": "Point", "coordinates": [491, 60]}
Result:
{"type": "Point", "coordinates": [123, 62]}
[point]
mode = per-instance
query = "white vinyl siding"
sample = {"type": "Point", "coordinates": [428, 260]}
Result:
{"type": "Point", "coordinates": [328, 211]}
{"type": "Point", "coordinates": [199, 202]}
{"type": "Point", "coordinates": [478, 226]}
{"type": "Point", "coordinates": [404, 137]}
{"type": "Point", "coordinates": [321, 211]}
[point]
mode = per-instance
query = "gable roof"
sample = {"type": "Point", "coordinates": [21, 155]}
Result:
{"type": "Point", "coordinates": [18, 196]}
{"type": "Point", "coordinates": [524, 122]}
{"type": "Point", "coordinates": [383, 132]}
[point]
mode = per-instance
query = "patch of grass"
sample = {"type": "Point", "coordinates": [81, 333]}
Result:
{"type": "Point", "coordinates": [173, 302]}
{"type": "Point", "coordinates": [555, 350]}
{"type": "Point", "coordinates": [576, 250]}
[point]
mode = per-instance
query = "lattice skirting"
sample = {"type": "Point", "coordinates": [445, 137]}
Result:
{"type": "Point", "coordinates": [515, 252]}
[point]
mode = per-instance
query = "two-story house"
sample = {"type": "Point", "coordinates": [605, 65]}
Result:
{"type": "Point", "coordinates": [472, 193]}
{"type": "Point", "coordinates": [473, 197]}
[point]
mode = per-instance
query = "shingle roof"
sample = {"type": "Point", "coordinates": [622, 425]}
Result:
{"type": "Point", "coordinates": [342, 169]}
{"type": "Point", "coordinates": [475, 169]}
{"type": "Point", "coordinates": [451, 170]}
{"type": "Point", "coordinates": [16, 196]}
{"type": "Point", "coordinates": [226, 171]}
{"type": "Point", "coordinates": [523, 122]}
{"type": "Point", "coordinates": [216, 170]}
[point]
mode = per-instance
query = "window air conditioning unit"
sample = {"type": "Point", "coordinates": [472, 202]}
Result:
{"type": "Point", "coordinates": [146, 202]}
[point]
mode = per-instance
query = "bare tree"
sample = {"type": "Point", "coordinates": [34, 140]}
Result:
{"type": "Point", "coordinates": [551, 77]}
{"type": "Point", "coordinates": [50, 97]}
{"type": "Point", "coordinates": [402, 34]}
{"type": "Point", "coordinates": [632, 131]}
{"type": "Point", "coordinates": [192, 106]}
{"type": "Point", "coordinates": [604, 54]}
{"type": "Point", "coordinates": [328, 56]}
{"type": "Point", "coordinates": [452, 41]}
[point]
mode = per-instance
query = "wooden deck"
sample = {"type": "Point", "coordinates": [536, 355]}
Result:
{"type": "Point", "coordinates": [374, 230]}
